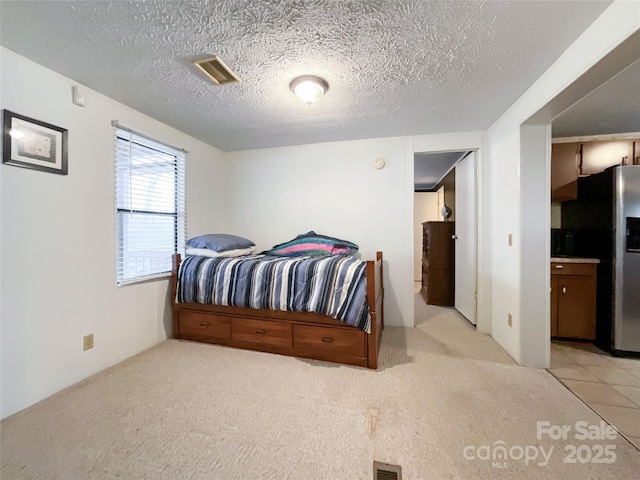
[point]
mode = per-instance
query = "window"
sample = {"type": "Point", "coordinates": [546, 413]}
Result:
{"type": "Point", "coordinates": [150, 206]}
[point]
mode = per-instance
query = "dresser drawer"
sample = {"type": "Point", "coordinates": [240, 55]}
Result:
{"type": "Point", "coordinates": [562, 268]}
{"type": "Point", "coordinates": [204, 325]}
{"type": "Point", "coordinates": [261, 332]}
{"type": "Point", "coordinates": [330, 340]}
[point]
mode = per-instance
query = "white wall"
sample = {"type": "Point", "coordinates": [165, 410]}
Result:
{"type": "Point", "coordinates": [508, 171]}
{"type": "Point", "coordinates": [425, 209]}
{"type": "Point", "coordinates": [505, 259]}
{"type": "Point", "coordinates": [331, 188]}
{"type": "Point", "coordinates": [440, 203]}
{"type": "Point", "coordinates": [535, 303]}
{"type": "Point", "coordinates": [58, 242]}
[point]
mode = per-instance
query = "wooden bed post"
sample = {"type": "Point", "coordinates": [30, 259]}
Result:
{"type": "Point", "coordinates": [375, 295]}
{"type": "Point", "coordinates": [380, 292]}
{"type": "Point", "coordinates": [175, 265]}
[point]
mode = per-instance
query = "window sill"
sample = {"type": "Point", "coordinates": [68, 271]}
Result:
{"type": "Point", "coordinates": [147, 279]}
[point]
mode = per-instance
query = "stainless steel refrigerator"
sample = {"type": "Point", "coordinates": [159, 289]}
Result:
{"type": "Point", "coordinates": [606, 217]}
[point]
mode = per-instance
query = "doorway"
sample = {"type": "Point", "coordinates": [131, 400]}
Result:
{"type": "Point", "coordinates": [535, 135]}
{"type": "Point", "coordinates": [445, 191]}
{"type": "Point", "coordinates": [601, 130]}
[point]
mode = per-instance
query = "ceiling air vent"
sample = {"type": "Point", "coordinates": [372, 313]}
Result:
{"type": "Point", "coordinates": [216, 70]}
{"type": "Point", "coordinates": [384, 471]}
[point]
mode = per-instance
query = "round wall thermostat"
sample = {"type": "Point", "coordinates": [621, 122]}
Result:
{"type": "Point", "coordinates": [378, 163]}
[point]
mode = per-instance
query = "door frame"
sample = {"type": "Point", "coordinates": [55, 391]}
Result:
{"type": "Point", "coordinates": [451, 142]}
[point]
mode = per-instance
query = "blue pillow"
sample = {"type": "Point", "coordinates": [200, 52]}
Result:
{"type": "Point", "coordinates": [219, 242]}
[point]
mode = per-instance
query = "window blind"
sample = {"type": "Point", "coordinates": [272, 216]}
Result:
{"type": "Point", "coordinates": [150, 206]}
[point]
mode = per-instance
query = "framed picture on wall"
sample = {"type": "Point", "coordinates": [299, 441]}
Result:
{"type": "Point", "coordinates": [33, 144]}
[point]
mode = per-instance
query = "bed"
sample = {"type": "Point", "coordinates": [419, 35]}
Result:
{"type": "Point", "coordinates": [304, 334]}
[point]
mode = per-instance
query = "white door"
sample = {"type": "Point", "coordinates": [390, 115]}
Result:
{"type": "Point", "coordinates": [465, 245]}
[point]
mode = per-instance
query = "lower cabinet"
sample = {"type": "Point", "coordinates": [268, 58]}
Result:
{"type": "Point", "coordinates": [554, 305]}
{"type": "Point", "coordinates": [573, 300]}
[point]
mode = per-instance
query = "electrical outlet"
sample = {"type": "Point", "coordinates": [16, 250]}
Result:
{"type": "Point", "coordinates": [510, 320]}
{"type": "Point", "coordinates": [88, 342]}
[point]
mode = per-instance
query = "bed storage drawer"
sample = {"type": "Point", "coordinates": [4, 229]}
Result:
{"type": "Point", "coordinates": [204, 325]}
{"type": "Point", "coordinates": [261, 332]}
{"type": "Point", "coordinates": [334, 340]}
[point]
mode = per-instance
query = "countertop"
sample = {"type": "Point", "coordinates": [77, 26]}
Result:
{"type": "Point", "coordinates": [574, 260]}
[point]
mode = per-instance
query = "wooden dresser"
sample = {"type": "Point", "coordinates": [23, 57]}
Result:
{"type": "Point", "coordinates": [438, 263]}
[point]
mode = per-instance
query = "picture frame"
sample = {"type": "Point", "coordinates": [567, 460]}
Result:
{"type": "Point", "coordinates": [33, 144]}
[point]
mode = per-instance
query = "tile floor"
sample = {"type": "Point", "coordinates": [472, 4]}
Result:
{"type": "Point", "coordinates": [609, 385]}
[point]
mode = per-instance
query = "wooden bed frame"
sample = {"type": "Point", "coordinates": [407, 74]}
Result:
{"type": "Point", "coordinates": [307, 335]}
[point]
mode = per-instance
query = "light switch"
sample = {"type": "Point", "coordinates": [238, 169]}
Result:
{"type": "Point", "coordinates": [511, 239]}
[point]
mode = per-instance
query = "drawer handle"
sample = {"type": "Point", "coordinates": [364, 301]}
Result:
{"type": "Point", "coordinates": [559, 267]}
{"type": "Point", "coordinates": [564, 289]}
{"type": "Point", "coordinates": [204, 324]}
{"type": "Point", "coordinates": [327, 339]}
{"type": "Point", "coordinates": [260, 331]}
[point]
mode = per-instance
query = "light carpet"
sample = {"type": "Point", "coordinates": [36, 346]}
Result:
{"type": "Point", "coordinates": [185, 410]}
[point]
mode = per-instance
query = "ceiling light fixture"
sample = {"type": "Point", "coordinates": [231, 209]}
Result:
{"type": "Point", "coordinates": [309, 88]}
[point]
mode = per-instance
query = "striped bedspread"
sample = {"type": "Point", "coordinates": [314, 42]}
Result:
{"type": "Point", "coordinates": [332, 285]}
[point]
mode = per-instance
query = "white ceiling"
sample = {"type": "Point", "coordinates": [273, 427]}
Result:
{"type": "Point", "coordinates": [430, 168]}
{"type": "Point", "coordinates": [614, 107]}
{"type": "Point", "coordinates": [394, 67]}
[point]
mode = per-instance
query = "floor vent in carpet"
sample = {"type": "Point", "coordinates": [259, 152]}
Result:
{"type": "Point", "coordinates": [384, 471]}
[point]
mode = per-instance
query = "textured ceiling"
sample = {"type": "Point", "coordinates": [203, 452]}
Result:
{"type": "Point", "coordinates": [394, 67]}
{"type": "Point", "coordinates": [612, 108]}
{"type": "Point", "coordinates": [430, 168]}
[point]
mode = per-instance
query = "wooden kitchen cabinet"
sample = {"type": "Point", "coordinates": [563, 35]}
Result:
{"type": "Point", "coordinates": [565, 159]}
{"type": "Point", "coordinates": [598, 156]}
{"type": "Point", "coordinates": [572, 160]}
{"type": "Point", "coordinates": [554, 305]}
{"type": "Point", "coordinates": [573, 300]}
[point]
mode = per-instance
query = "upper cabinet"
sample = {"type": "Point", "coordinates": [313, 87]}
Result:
{"type": "Point", "coordinates": [572, 160]}
{"type": "Point", "coordinates": [565, 158]}
{"type": "Point", "coordinates": [598, 156]}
